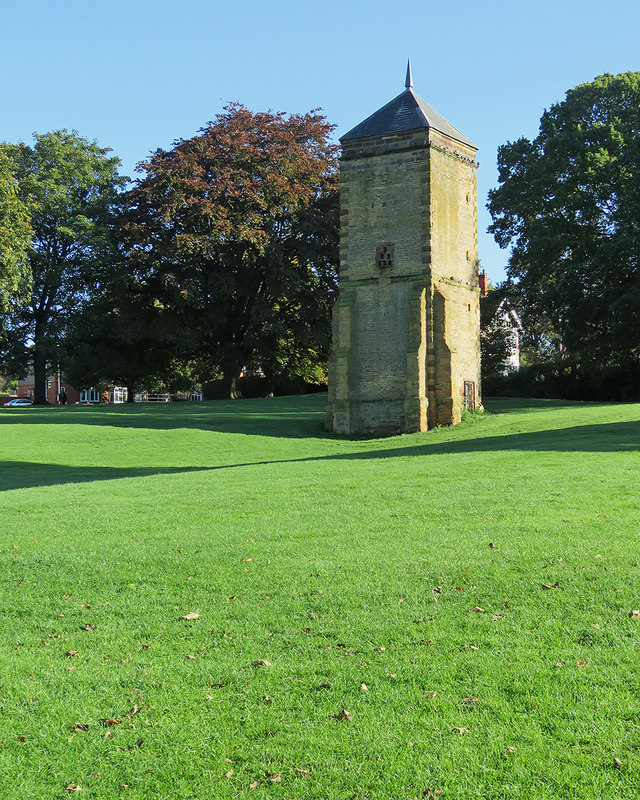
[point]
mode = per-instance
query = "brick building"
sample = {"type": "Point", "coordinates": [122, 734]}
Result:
{"type": "Point", "coordinates": [406, 326]}
{"type": "Point", "coordinates": [54, 387]}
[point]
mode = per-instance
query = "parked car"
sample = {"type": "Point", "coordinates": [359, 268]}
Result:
{"type": "Point", "coordinates": [19, 401]}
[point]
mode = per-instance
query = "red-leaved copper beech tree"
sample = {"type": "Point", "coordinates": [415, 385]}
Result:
{"type": "Point", "coordinates": [235, 232]}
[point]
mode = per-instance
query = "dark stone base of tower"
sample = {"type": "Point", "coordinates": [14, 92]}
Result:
{"type": "Point", "coordinates": [406, 327]}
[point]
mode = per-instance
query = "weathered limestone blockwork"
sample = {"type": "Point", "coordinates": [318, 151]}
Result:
{"type": "Point", "coordinates": [406, 325]}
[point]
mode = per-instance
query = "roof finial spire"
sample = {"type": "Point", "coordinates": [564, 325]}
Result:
{"type": "Point", "coordinates": [409, 80]}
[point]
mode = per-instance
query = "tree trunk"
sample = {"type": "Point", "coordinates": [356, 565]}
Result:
{"type": "Point", "coordinates": [270, 384]}
{"type": "Point", "coordinates": [39, 378]}
{"type": "Point", "coordinates": [230, 378]}
{"type": "Point", "coordinates": [131, 393]}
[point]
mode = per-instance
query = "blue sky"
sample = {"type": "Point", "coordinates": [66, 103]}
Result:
{"type": "Point", "coordinates": [136, 75]}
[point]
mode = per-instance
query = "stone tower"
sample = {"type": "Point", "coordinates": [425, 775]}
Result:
{"type": "Point", "coordinates": [406, 326]}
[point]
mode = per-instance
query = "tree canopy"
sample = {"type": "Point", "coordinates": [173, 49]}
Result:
{"type": "Point", "coordinates": [234, 233]}
{"type": "Point", "coordinates": [15, 238]}
{"type": "Point", "coordinates": [71, 186]}
{"type": "Point", "coordinates": [569, 205]}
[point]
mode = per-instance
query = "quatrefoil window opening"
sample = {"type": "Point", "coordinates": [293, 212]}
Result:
{"type": "Point", "coordinates": [385, 255]}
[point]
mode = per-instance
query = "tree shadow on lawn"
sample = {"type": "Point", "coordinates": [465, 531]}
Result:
{"type": "Point", "coordinates": [26, 474]}
{"type": "Point", "coordinates": [611, 437]}
{"type": "Point", "coordinates": [282, 417]}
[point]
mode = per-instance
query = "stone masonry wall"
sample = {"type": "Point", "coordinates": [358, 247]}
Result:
{"type": "Point", "coordinates": [454, 269]}
{"type": "Point", "coordinates": [406, 325]}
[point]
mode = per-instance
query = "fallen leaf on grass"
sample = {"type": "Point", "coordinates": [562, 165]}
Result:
{"type": "Point", "coordinates": [109, 734]}
{"type": "Point", "coordinates": [617, 763]}
{"type": "Point", "coordinates": [73, 787]}
{"type": "Point", "coordinates": [302, 771]}
{"type": "Point", "coordinates": [276, 778]}
{"type": "Point", "coordinates": [71, 653]}
{"type": "Point", "coordinates": [246, 560]}
{"type": "Point", "coordinates": [511, 749]}
{"type": "Point", "coordinates": [85, 605]}
{"type": "Point", "coordinates": [110, 722]}
{"type": "Point", "coordinates": [253, 784]}
{"type": "Point", "coordinates": [325, 686]}
{"type": "Point", "coordinates": [555, 585]}
{"type": "Point", "coordinates": [379, 649]}
{"type": "Point", "coordinates": [191, 658]}
{"type": "Point", "coordinates": [492, 545]}
{"type": "Point", "coordinates": [459, 730]}
{"type": "Point", "coordinates": [559, 664]}
{"type": "Point", "coordinates": [582, 663]}
{"type": "Point", "coordinates": [478, 610]}
{"type": "Point", "coordinates": [497, 617]}
{"type": "Point", "coordinates": [209, 697]}
{"type": "Point", "coordinates": [268, 733]}
{"type": "Point", "coordinates": [431, 694]}
{"type": "Point", "coordinates": [87, 627]}
{"type": "Point", "coordinates": [635, 614]}
{"type": "Point", "coordinates": [364, 687]}
{"type": "Point", "coordinates": [231, 598]}
{"type": "Point", "coordinates": [262, 662]}
{"type": "Point", "coordinates": [471, 700]}
{"type": "Point", "coordinates": [133, 746]}
{"type": "Point", "coordinates": [80, 726]}
{"type": "Point", "coordinates": [192, 615]}
{"type": "Point", "coordinates": [229, 774]}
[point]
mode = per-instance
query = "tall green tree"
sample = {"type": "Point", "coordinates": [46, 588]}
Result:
{"type": "Point", "coordinates": [234, 231]}
{"type": "Point", "coordinates": [71, 186]}
{"type": "Point", "coordinates": [124, 338]}
{"type": "Point", "coordinates": [569, 206]}
{"type": "Point", "coordinates": [15, 238]}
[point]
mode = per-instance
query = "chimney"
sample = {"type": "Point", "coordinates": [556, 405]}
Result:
{"type": "Point", "coordinates": [483, 283]}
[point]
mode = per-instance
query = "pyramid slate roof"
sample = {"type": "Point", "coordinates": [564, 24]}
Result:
{"type": "Point", "coordinates": [405, 112]}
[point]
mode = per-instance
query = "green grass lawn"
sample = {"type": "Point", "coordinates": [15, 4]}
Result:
{"type": "Point", "coordinates": [398, 580]}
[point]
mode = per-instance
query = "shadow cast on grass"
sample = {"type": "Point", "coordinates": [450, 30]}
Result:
{"type": "Point", "coordinates": [613, 437]}
{"type": "Point", "coordinates": [26, 474]}
{"type": "Point", "coordinates": [283, 417]}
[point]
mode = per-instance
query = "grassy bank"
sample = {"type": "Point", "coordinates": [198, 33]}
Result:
{"type": "Point", "coordinates": [414, 566]}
